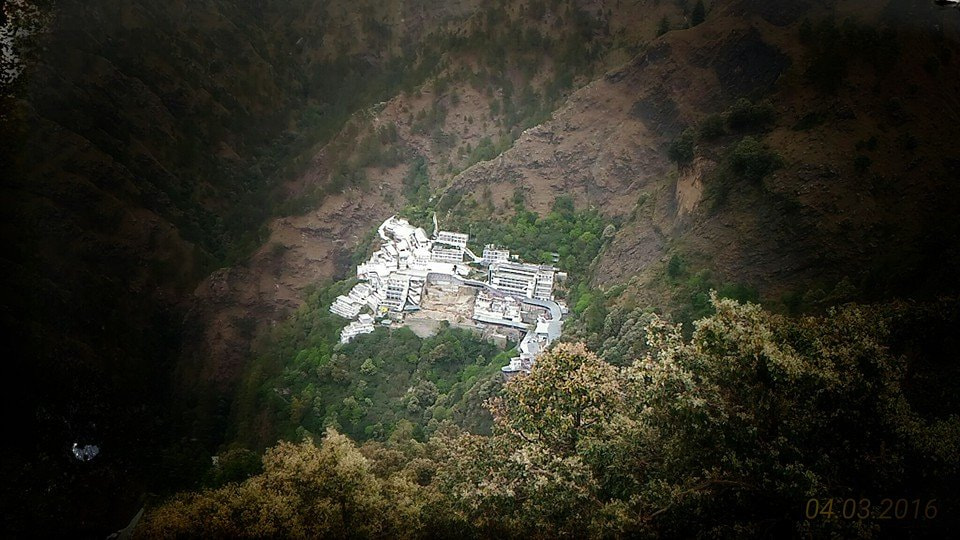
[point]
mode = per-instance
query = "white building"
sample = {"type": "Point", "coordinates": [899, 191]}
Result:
{"type": "Point", "coordinates": [514, 278]}
{"type": "Point", "coordinates": [544, 288]}
{"type": "Point", "coordinates": [364, 325]}
{"type": "Point", "coordinates": [502, 310]}
{"type": "Point", "coordinates": [521, 279]}
{"type": "Point", "coordinates": [395, 276]}
{"type": "Point", "coordinates": [395, 293]}
{"type": "Point", "coordinates": [446, 254]}
{"type": "Point", "coordinates": [453, 239]}
{"type": "Point", "coordinates": [493, 255]}
{"type": "Point", "coordinates": [349, 305]}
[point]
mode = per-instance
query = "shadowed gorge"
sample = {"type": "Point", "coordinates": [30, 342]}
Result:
{"type": "Point", "coordinates": [751, 205]}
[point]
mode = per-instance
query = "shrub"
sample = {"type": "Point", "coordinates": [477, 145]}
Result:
{"type": "Point", "coordinates": [712, 127]}
{"type": "Point", "coordinates": [699, 13]}
{"type": "Point", "coordinates": [675, 267]}
{"type": "Point", "coordinates": [747, 116]}
{"type": "Point", "coordinates": [753, 160]}
{"type": "Point", "coordinates": [664, 26]}
{"type": "Point", "coordinates": [682, 148]}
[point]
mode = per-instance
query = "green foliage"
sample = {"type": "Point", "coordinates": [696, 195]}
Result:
{"type": "Point", "coordinates": [379, 149]}
{"type": "Point", "coordinates": [567, 399]}
{"type": "Point", "coordinates": [416, 183]}
{"type": "Point", "coordinates": [430, 119]}
{"type": "Point", "coordinates": [681, 149]}
{"type": "Point", "coordinates": [486, 149]}
{"type": "Point", "coordinates": [676, 267]}
{"type": "Point", "coordinates": [305, 381]}
{"type": "Point", "coordinates": [233, 466]}
{"type": "Point", "coordinates": [692, 288]}
{"type": "Point", "coordinates": [304, 490]}
{"type": "Point", "coordinates": [725, 434]}
{"type": "Point", "coordinates": [663, 26]}
{"type": "Point", "coordinates": [698, 14]}
{"type": "Point", "coordinates": [752, 160]}
{"type": "Point", "coordinates": [712, 127]}
{"type": "Point", "coordinates": [744, 116]}
{"type": "Point", "coordinates": [576, 236]}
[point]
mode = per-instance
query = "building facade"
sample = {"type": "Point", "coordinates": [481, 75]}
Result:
{"type": "Point", "coordinates": [521, 279]}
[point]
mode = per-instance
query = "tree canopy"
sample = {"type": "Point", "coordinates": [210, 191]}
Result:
{"type": "Point", "coordinates": [727, 434]}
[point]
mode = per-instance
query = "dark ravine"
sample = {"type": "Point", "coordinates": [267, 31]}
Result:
{"type": "Point", "coordinates": [139, 154]}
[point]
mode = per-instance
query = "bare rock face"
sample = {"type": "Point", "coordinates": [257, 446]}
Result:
{"type": "Point", "coordinates": [689, 191]}
{"type": "Point", "coordinates": [233, 304]}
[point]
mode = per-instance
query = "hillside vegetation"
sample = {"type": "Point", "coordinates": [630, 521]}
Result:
{"type": "Point", "coordinates": [731, 433]}
{"type": "Point", "coordinates": [187, 185]}
{"type": "Point", "coordinates": [303, 380]}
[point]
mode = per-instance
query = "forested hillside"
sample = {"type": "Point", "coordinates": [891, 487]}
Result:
{"type": "Point", "coordinates": [145, 145]}
{"type": "Point", "coordinates": [188, 185]}
{"type": "Point", "coordinates": [731, 434]}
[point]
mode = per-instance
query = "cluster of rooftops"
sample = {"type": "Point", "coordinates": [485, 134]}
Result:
{"type": "Point", "coordinates": [392, 283]}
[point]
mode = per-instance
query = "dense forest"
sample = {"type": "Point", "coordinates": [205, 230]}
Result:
{"type": "Point", "coordinates": [752, 203]}
{"type": "Point", "coordinates": [731, 434]}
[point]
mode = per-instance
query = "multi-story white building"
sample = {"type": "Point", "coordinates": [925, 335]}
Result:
{"type": "Point", "coordinates": [503, 310]}
{"type": "Point", "coordinates": [521, 279]}
{"type": "Point", "coordinates": [363, 325]}
{"type": "Point", "coordinates": [493, 255]}
{"type": "Point", "coordinates": [453, 255]}
{"type": "Point", "coordinates": [453, 239]}
{"type": "Point", "coordinates": [350, 304]}
{"type": "Point", "coordinates": [395, 293]}
{"type": "Point", "coordinates": [544, 288]}
{"type": "Point", "coordinates": [514, 278]}
{"type": "Point", "coordinates": [395, 276]}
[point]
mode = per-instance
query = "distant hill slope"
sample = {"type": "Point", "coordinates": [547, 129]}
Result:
{"type": "Point", "coordinates": [850, 213]}
{"type": "Point", "coordinates": [868, 173]}
{"type": "Point", "coordinates": [504, 69]}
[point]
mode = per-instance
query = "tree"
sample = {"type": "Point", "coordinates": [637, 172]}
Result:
{"type": "Point", "coordinates": [304, 490]}
{"type": "Point", "coordinates": [725, 434]}
{"type": "Point", "coordinates": [763, 408]}
{"type": "Point", "coordinates": [753, 160]}
{"type": "Point", "coordinates": [746, 116]}
{"type": "Point", "coordinates": [568, 396]}
{"type": "Point", "coordinates": [699, 13]}
{"type": "Point", "coordinates": [663, 26]}
{"type": "Point", "coordinates": [369, 367]}
{"type": "Point", "coordinates": [416, 183]}
{"type": "Point", "coordinates": [681, 150]}
{"type": "Point", "coordinates": [712, 127]}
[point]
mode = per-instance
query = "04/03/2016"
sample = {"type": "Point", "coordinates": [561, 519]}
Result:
{"type": "Point", "coordinates": [864, 508]}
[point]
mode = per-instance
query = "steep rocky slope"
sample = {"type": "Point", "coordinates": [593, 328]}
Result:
{"type": "Point", "coordinates": [814, 221]}
{"type": "Point", "coordinates": [815, 231]}
{"type": "Point", "coordinates": [473, 106]}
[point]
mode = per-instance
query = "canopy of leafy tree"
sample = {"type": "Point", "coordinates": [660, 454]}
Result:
{"type": "Point", "coordinates": [727, 434]}
{"type": "Point", "coordinates": [305, 381]}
